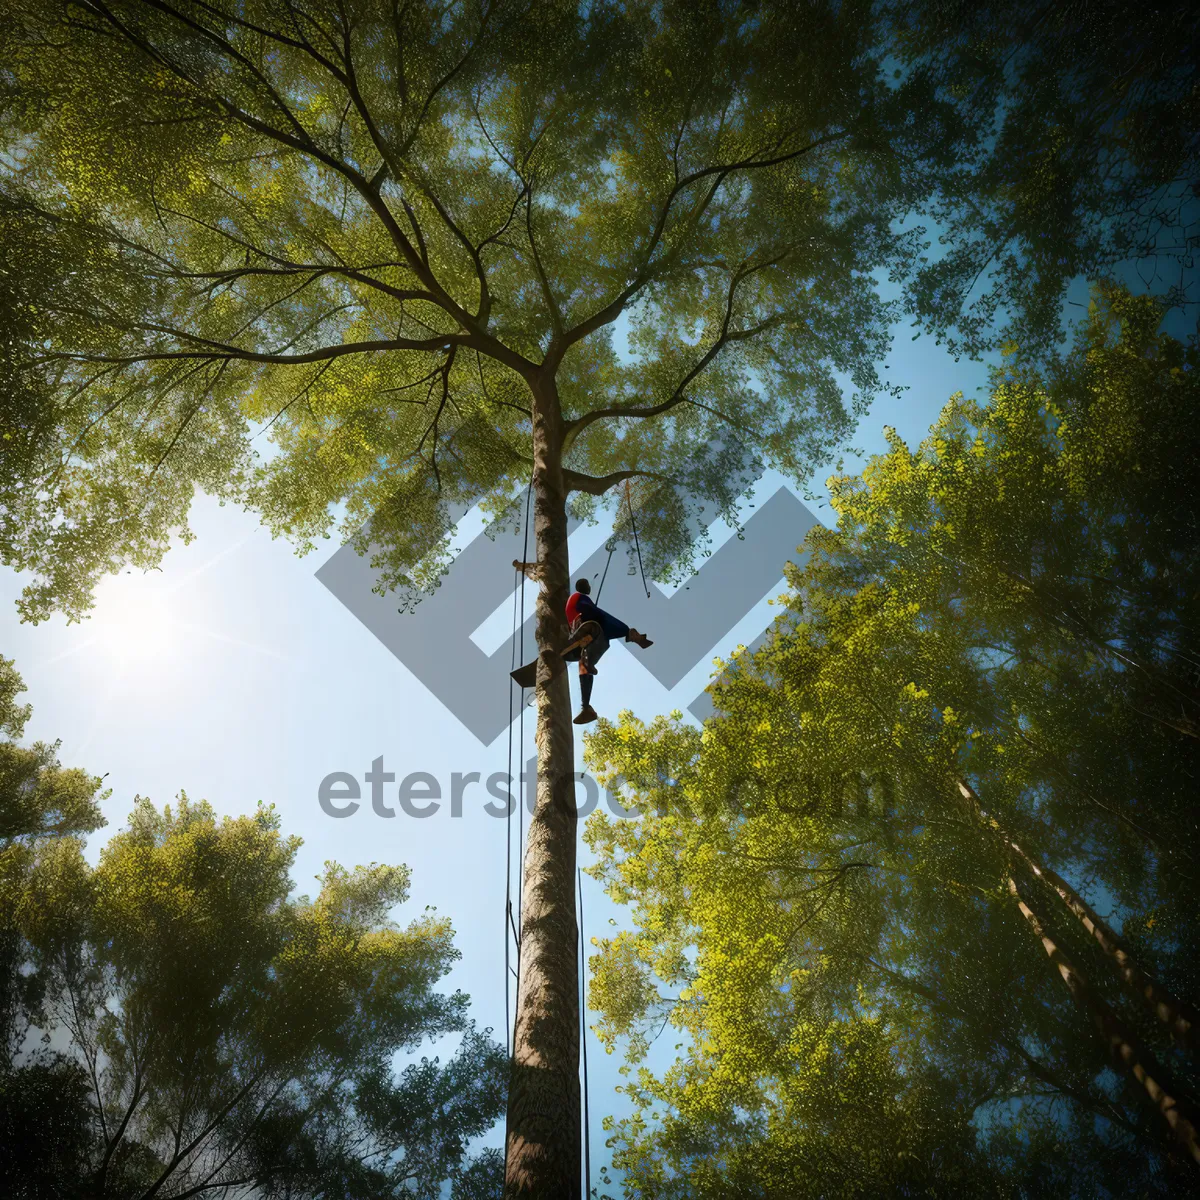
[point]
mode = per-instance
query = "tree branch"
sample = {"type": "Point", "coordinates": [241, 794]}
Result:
{"type": "Point", "coordinates": [218, 350]}
{"type": "Point", "coordinates": [648, 270]}
{"type": "Point", "coordinates": [301, 141]}
{"type": "Point", "coordinates": [597, 486]}
{"type": "Point", "coordinates": [575, 427]}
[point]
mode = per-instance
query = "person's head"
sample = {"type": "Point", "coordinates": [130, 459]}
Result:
{"type": "Point", "coordinates": [582, 586]}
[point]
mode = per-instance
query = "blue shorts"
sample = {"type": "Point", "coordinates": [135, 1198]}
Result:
{"type": "Point", "coordinates": [612, 627]}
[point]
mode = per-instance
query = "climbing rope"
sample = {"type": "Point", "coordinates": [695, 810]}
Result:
{"type": "Point", "coordinates": [636, 543]}
{"type": "Point", "coordinates": [518, 655]}
{"type": "Point", "coordinates": [508, 842]}
{"type": "Point", "coordinates": [587, 1132]}
{"type": "Point", "coordinates": [521, 773]}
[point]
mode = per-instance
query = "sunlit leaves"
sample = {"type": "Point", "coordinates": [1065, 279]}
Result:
{"type": "Point", "coordinates": [1010, 602]}
{"type": "Point", "coordinates": [301, 256]}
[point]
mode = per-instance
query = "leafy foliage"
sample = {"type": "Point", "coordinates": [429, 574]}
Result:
{"type": "Point", "coordinates": [1090, 164]}
{"type": "Point", "coordinates": [1010, 608]}
{"type": "Point", "coordinates": [374, 235]}
{"type": "Point", "coordinates": [214, 1032]}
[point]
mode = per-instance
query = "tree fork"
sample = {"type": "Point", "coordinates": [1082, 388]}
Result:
{"type": "Point", "coordinates": [543, 1128]}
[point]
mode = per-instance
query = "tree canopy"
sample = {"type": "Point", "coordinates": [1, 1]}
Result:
{"type": "Point", "coordinates": [974, 717]}
{"type": "Point", "coordinates": [359, 232]}
{"type": "Point", "coordinates": [205, 1030]}
{"type": "Point", "coordinates": [1090, 163]}
{"type": "Point", "coordinates": [307, 256]}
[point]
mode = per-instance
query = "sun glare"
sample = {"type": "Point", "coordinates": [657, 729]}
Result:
{"type": "Point", "coordinates": [134, 619]}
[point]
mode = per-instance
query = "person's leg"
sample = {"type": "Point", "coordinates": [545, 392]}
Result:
{"type": "Point", "coordinates": [613, 627]}
{"type": "Point", "coordinates": [587, 714]}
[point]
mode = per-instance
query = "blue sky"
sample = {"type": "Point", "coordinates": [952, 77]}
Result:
{"type": "Point", "coordinates": [235, 675]}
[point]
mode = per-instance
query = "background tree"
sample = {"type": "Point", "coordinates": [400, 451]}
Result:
{"type": "Point", "coordinates": [210, 1031]}
{"type": "Point", "coordinates": [1091, 169]}
{"type": "Point", "coordinates": [991, 624]}
{"type": "Point", "coordinates": [44, 1110]}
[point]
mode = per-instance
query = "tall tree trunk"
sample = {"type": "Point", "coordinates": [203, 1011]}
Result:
{"type": "Point", "coordinates": [1126, 1049]}
{"type": "Point", "coordinates": [543, 1131]}
{"type": "Point", "coordinates": [1177, 1015]}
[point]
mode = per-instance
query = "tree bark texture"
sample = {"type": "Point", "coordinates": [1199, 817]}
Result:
{"type": "Point", "coordinates": [1127, 1050]}
{"type": "Point", "coordinates": [1177, 1015]}
{"type": "Point", "coordinates": [543, 1128]}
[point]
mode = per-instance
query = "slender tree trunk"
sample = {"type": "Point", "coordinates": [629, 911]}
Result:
{"type": "Point", "coordinates": [1177, 1015]}
{"type": "Point", "coordinates": [543, 1132]}
{"type": "Point", "coordinates": [1126, 1049]}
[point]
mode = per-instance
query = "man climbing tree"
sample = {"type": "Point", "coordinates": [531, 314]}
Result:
{"type": "Point", "coordinates": [589, 644]}
{"type": "Point", "coordinates": [404, 245]}
{"type": "Point", "coordinates": [591, 630]}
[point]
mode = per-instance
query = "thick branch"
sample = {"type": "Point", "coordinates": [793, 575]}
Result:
{"type": "Point", "coordinates": [597, 486]}
{"type": "Point", "coordinates": [216, 351]}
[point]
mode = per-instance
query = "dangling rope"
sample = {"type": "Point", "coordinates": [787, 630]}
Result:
{"type": "Point", "coordinates": [508, 838]}
{"type": "Point", "coordinates": [612, 545]}
{"type": "Point", "coordinates": [587, 1132]}
{"type": "Point", "coordinates": [521, 775]}
{"type": "Point", "coordinates": [517, 634]}
{"type": "Point", "coordinates": [636, 543]}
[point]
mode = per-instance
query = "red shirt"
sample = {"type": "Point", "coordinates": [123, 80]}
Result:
{"type": "Point", "coordinates": [577, 606]}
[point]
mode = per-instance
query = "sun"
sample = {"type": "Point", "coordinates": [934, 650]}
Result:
{"type": "Point", "coordinates": [135, 620]}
